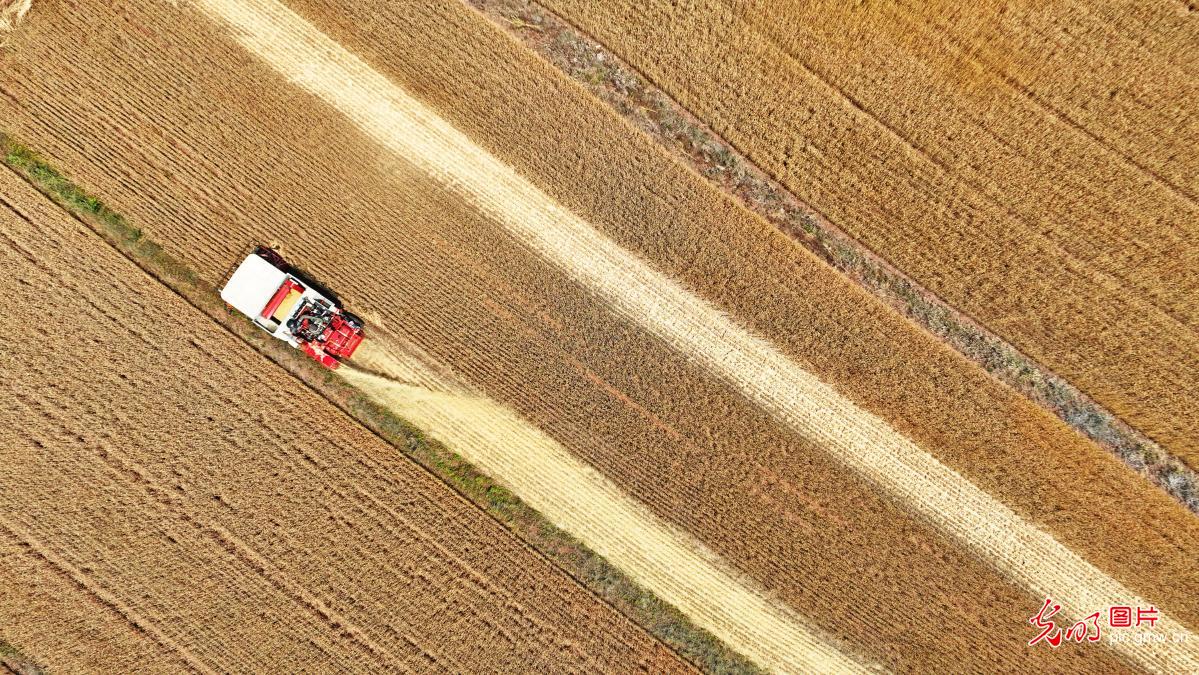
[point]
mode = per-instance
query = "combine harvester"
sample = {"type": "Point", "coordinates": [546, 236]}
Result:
{"type": "Point", "coordinates": [266, 289]}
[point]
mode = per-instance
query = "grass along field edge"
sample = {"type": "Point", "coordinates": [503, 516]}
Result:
{"type": "Point", "coordinates": [689, 140]}
{"type": "Point", "coordinates": [12, 660]}
{"type": "Point", "coordinates": [587, 567]}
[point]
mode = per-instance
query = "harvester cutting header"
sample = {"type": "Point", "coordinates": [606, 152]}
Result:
{"type": "Point", "coordinates": [266, 289]}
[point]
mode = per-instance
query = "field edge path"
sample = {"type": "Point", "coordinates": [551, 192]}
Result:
{"type": "Point", "coordinates": [583, 502]}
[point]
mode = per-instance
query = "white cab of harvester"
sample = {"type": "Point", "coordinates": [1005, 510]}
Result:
{"type": "Point", "coordinates": [252, 287]}
{"type": "Point", "coordinates": [287, 307]}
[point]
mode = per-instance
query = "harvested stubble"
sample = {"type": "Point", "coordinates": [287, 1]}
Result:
{"type": "Point", "coordinates": [578, 500]}
{"type": "Point", "coordinates": [1033, 226]}
{"type": "Point", "coordinates": [656, 304]}
{"type": "Point", "coordinates": [218, 519]}
{"type": "Point", "coordinates": [662, 428]}
{"type": "Point", "coordinates": [11, 13]}
{"type": "Point", "coordinates": [616, 586]}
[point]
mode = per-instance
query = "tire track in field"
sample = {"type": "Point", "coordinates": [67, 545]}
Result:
{"type": "Point", "coordinates": [760, 371]}
{"type": "Point", "coordinates": [1126, 41]}
{"type": "Point", "coordinates": [138, 622]}
{"type": "Point", "coordinates": [1093, 335]}
{"type": "Point", "coordinates": [371, 508]}
{"type": "Point", "coordinates": [44, 611]}
{"type": "Point", "coordinates": [1068, 121]}
{"type": "Point", "coordinates": [130, 472]}
{"type": "Point", "coordinates": [318, 601]}
{"type": "Point", "coordinates": [1111, 279]}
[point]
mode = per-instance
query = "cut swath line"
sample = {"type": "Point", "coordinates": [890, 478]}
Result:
{"type": "Point", "coordinates": [12, 12]}
{"type": "Point", "coordinates": [690, 325]}
{"type": "Point", "coordinates": [752, 187]}
{"type": "Point", "coordinates": [589, 506]}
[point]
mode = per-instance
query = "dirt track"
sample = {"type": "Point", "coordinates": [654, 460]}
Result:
{"type": "Point", "coordinates": [978, 191]}
{"type": "Point", "coordinates": [661, 427]}
{"type": "Point", "coordinates": [280, 535]}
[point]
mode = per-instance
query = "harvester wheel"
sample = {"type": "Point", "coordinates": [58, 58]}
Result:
{"type": "Point", "coordinates": [352, 319]}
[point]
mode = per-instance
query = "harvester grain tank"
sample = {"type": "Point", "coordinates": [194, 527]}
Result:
{"type": "Point", "coordinates": [267, 290]}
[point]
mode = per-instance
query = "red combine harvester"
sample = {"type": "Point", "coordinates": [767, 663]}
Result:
{"type": "Point", "coordinates": [266, 289]}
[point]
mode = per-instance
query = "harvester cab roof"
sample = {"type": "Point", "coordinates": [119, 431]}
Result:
{"type": "Point", "coordinates": [265, 289]}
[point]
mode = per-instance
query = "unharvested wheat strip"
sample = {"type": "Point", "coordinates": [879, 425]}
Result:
{"type": "Point", "coordinates": [764, 374]}
{"type": "Point", "coordinates": [44, 611]}
{"type": "Point", "coordinates": [414, 588]}
{"type": "Point", "coordinates": [108, 599]}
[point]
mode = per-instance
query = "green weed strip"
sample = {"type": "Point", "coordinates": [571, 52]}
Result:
{"type": "Point", "coordinates": [590, 569]}
{"type": "Point", "coordinates": [14, 661]}
{"type": "Point", "coordinates": [673, 127]}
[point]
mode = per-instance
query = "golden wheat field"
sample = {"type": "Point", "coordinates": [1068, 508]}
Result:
{"type": "Point", "coordinates": [1025, 204]}
{"type": "Point", "coordinates": [810, 479]}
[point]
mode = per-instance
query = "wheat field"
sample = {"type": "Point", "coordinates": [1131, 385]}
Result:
{"type": "Point", "coordinates": [609, 322]}
{"type": "Point", "coordinates": [1007, 207]}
